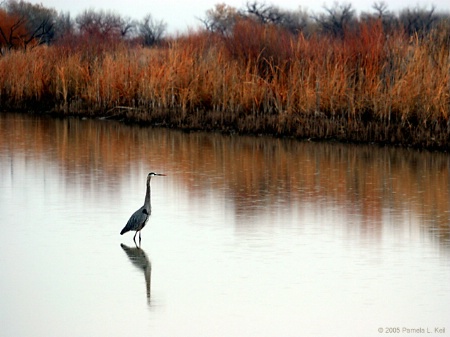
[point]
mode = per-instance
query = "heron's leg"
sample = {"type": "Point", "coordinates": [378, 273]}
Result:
{"type": "Point", "coordinates": [134, 237]}
{"type": "Point", "coordinates": [139, 237]}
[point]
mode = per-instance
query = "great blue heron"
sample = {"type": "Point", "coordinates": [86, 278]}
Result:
{"type": "Point", "coordinates": [139, 218]}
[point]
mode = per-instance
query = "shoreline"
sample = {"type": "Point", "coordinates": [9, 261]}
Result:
{"type": "Point", "coordinates": [314, 127]}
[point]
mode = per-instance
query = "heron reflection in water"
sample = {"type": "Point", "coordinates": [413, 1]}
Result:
{"type": "Point", "coordinates": [139, 218]}
{"type": "Point", "coordinates": [140, 260]}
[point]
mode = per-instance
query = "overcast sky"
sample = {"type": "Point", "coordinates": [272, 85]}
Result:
{"type": "Point", "coordinates": [179, 15]}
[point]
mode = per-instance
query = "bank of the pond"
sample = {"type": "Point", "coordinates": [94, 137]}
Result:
{"type": "Point", "coordinates": [319, 127]}
{"type": "Point", "coordinates": [315, 126]}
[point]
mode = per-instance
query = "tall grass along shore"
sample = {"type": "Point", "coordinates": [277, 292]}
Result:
{"type": "Point", "coordinates": [364, 86]}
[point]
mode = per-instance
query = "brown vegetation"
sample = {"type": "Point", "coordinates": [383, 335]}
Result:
{"type": "Point", "coordinates": [363, 86]}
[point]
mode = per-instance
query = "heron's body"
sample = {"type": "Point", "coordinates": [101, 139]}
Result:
{"type": "Point", "coordinates": [137, 221]}
{"type": "Point", "coordinates": [139, 218]}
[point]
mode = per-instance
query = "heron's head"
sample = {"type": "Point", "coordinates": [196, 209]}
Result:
{"type": "Point", "coordinates": [153, 174]}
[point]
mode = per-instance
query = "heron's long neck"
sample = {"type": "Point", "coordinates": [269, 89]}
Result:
{"type": "Point", "coordinates": [147, 203]}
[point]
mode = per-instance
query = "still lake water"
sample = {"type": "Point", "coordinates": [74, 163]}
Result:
{"type": "Point", "coordinates": [249, 236]}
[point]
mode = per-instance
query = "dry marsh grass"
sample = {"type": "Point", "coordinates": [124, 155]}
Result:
{"type": "Point", "coordinates": [365, 87]}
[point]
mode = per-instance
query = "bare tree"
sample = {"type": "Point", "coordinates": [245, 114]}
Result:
{"type": "Point", "coordinates": [293, 21]}
{"type": "Point", "coordinates": [221, 19]}
{"type": "Point", "coordinates": [64, 25]}
{"type": "Point", "coordinates": [381, 10]}
{"type": "Point", "coordinates": [38, 20]}
{"type": "Point", "coordinates": [12, 31]}
{"type": "Point", "coordinates": [100, 23]}
{"type": "Point", "coordinates": [336, 19]}
{"type": "Point", "coordinates": [151, 30]}
{"type": "Point", "coordinates": [127, 27]}
{"type": "Point", "coordinates": [417, 20]}
{"type": "Point", "coordinates": [264, 13]}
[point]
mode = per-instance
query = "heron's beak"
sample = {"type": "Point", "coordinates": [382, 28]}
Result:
{"type": "Point", "coordinates": [161, 174]}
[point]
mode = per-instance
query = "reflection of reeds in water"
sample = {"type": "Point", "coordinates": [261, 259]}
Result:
{"type": "Point", "coordinates": [140, 260]}
{"type": "Point", "coordinates": [251, 169]}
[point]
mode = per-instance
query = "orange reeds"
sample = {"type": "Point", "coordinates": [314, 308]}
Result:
{"type": "Point", "coordinates": [364, 86]}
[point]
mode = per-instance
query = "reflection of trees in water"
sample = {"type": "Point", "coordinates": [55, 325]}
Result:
{"type": "Point", "coordinates": [255, 172]}
{"type": "Point", "coordinates": [140, 260]}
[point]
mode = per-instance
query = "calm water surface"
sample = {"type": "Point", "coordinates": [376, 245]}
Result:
{"type": "Point", "coordinates": [248, 236]}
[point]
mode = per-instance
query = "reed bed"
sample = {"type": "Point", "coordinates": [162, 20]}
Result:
{"type": "Point", "coordinates": [365, 87]}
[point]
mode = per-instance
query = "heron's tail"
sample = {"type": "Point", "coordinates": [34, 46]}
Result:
{"type": "Point", "coordinates": [124, 230]}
